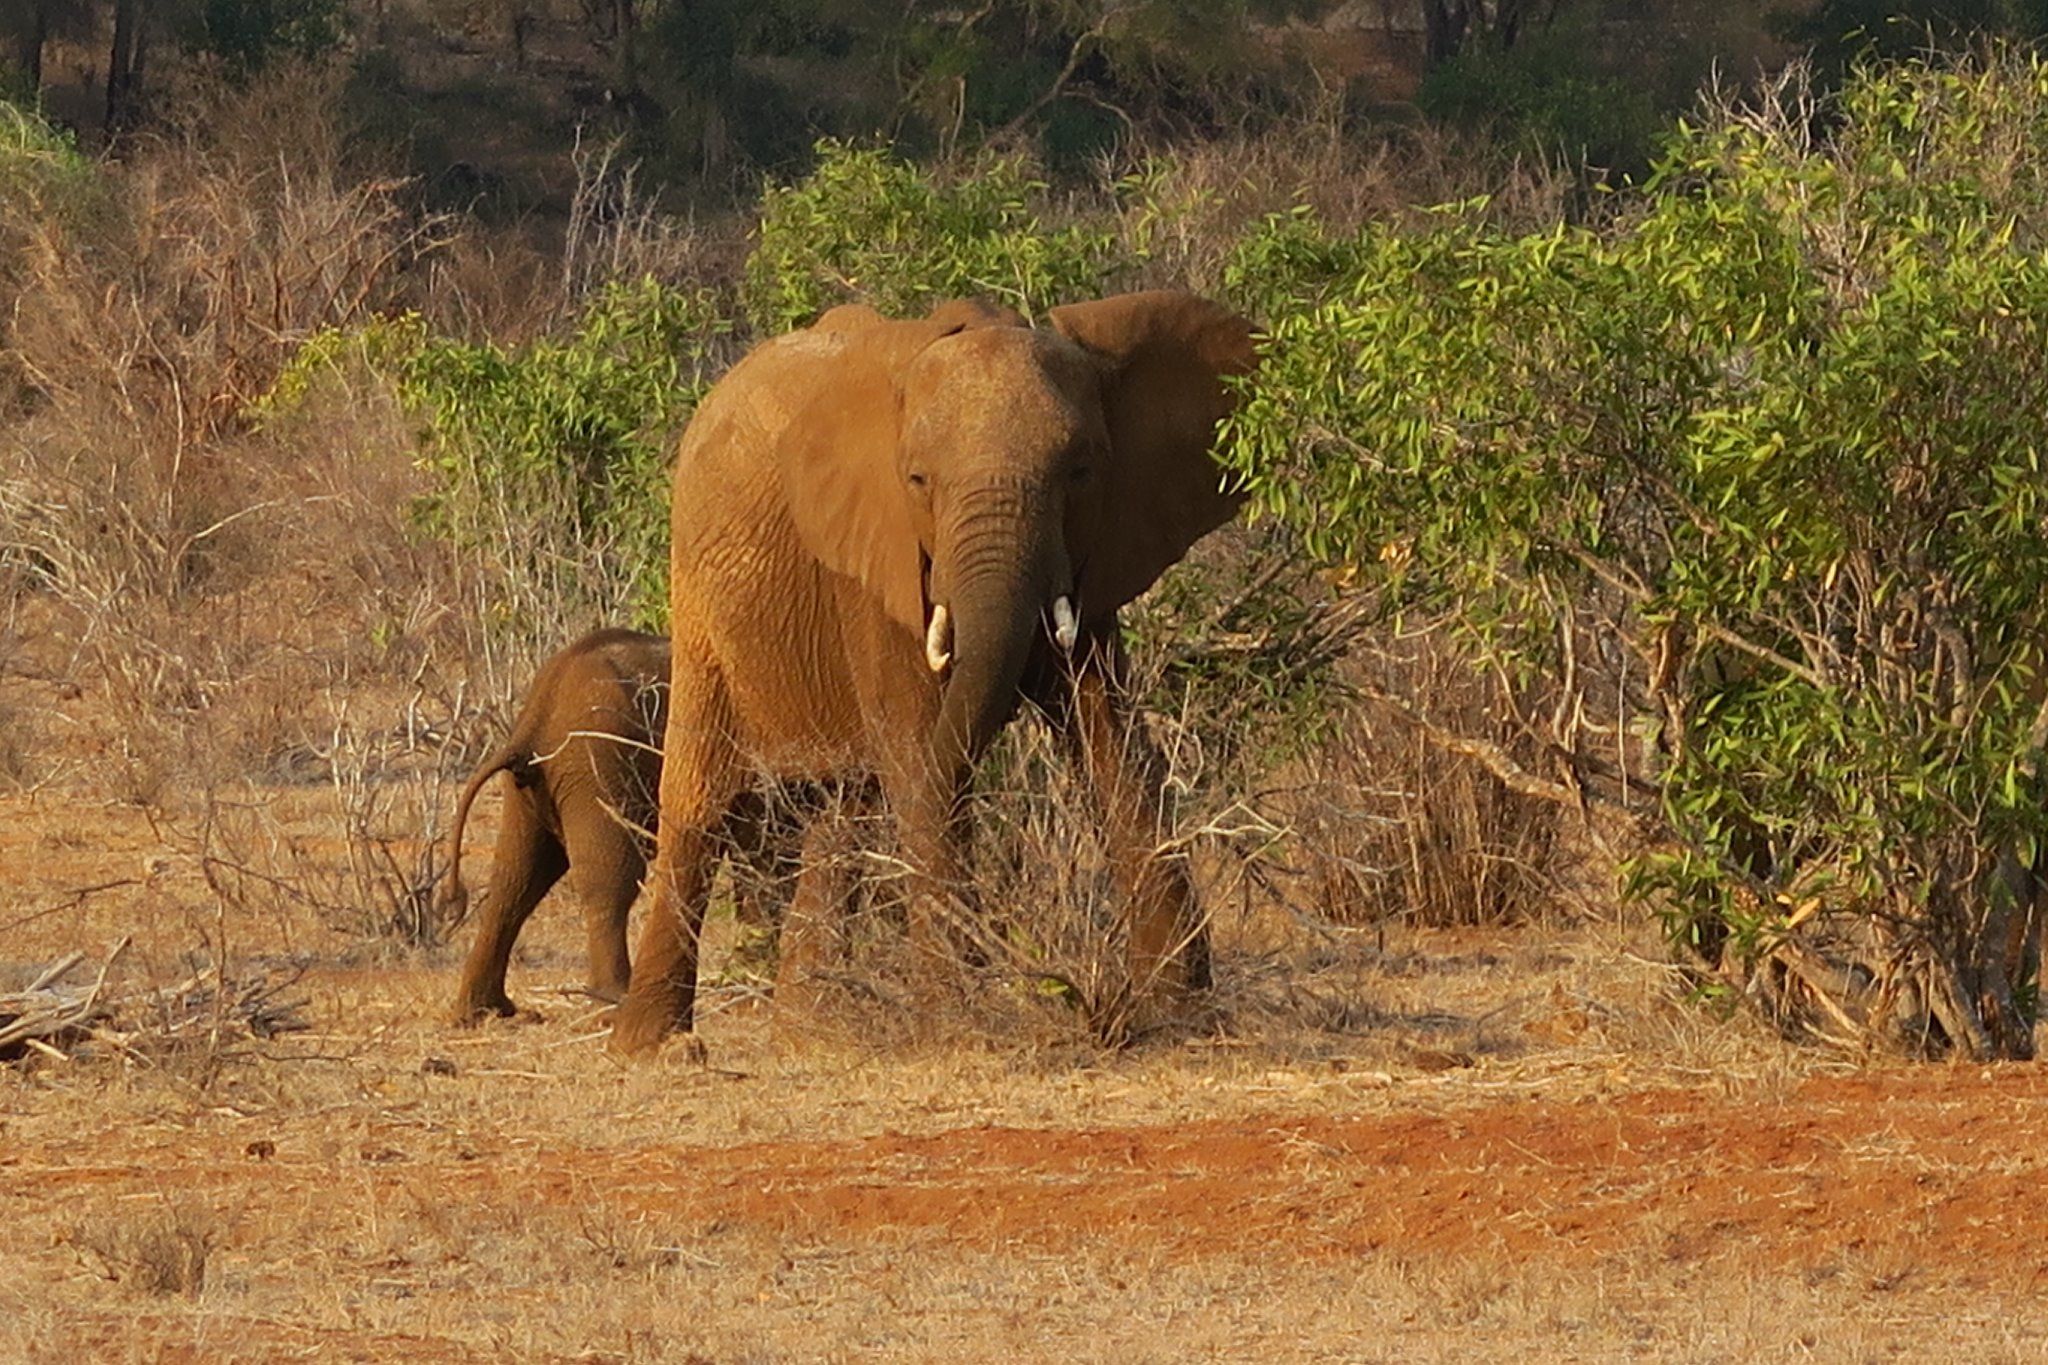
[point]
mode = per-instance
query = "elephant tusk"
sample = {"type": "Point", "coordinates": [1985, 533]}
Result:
{"type": "Point", "coordinates": [1065, 628]}
{"type": "Point", "coordinates": [938, 639]}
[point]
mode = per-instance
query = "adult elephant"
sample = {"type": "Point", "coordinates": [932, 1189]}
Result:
{"type": "Point", "coordinates": [886, 534]}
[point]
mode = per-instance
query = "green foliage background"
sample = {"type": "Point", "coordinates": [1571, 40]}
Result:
{"type": "Point", "coordinates": [870, 226]}
{"type": "Point", "coordinates": [564, 439]}
{"type": "Point", "coordinates": [248, 35]}
{"type": "Point", "coordinates": [1784, 416]}
{"type": "Point", "coordinates": [43, 174]}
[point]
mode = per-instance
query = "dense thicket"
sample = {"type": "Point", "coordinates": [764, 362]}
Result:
{"type": "Point", "coordinates": [1747, 486]}
{"type": "Point", "coordinates": [712, 92]}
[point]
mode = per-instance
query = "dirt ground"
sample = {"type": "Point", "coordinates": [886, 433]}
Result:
{"type": "Point", "coordinates": [1390, 1145]}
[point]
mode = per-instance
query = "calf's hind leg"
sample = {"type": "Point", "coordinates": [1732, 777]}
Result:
{"type": "Point", "coordinates": [529, 860]}
{"type": "Point", "coordinates": [607, 863]}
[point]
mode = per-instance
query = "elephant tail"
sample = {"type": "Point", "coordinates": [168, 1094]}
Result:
{"type": "Point", "coordinates": [453, 903]}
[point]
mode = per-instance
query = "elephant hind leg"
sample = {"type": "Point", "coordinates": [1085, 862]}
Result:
{"type": "Point", "coordinates": [528, 862]}
{"type": "Point", "coordinates": [814, 924]}
{"type": "Point", "coordinates": [607, 862]}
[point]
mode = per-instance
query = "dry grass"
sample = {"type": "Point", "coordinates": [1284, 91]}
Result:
{"type": "Point", "coordinates": [161, 1250]}
{"type": "Point", "coordinates": [389, 1188]}
{"type": "Point", "coordinates": [666, 1295]}
{"type": "Point", "coordinates": [1186, 205]}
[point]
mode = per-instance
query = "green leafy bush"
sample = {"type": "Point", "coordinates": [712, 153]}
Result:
{"type": "Point", "coordinates": [866, 225]}
{"type": "Point", "coordinates": [41, 169]}
{"type": "Point", "coordinates": [1748, 489]}
{"type": "Point", "coordinates": [1839, 33]}
{"type": "Point", "coordinates": [554, 453]}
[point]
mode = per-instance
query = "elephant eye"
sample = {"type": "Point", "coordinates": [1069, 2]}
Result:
{"type": "Point", "coordinates": [917, 480]}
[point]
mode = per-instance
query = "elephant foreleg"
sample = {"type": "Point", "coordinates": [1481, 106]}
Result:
{"type": "Point", "coordinates": [814, 924]}
{"type": "Point", "coordinates": [932, 833]}
{"type": "Point", "coordinates": [663, 992]}
{"type": "Point", "coordinates": [925, 790]}
{"type": "Point", "coordinates": [700, 776]}
{"type": "Point", "coordinates": [1168, 938]}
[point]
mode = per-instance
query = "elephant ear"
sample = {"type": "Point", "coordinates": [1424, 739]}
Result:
{"type": "Point", "coordinates": [1164, 355]}
{"type": "Point", "coordinates": [841, 478]}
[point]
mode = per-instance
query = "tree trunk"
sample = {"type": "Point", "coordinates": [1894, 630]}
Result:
{"type": "Point", "coordinates": [34, 33]}
{"type": "Point", "coordinates": [1444, 23]}
{"type": "Point", "coordinates": [123, 67]}
{"type": "Point", "coordinates": [138, 57]}
{"type": "Point", "coordinates": [1954, 986]}
{"type": "Point", "coordinates": [624, 24]}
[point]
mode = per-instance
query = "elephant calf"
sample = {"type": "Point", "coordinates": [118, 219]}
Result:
{"type": "Point", "coordinates": [586, 767]}
{"type": "Point", "coordinates": [585, 771]}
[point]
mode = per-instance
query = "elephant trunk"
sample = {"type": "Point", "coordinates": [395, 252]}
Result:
{"type": "Point", "coordinates": [999, 603]}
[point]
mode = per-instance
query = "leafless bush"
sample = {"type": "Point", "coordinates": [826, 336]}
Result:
{"type": "Point", "coordinates": [490, 283]}
{"type": "Point", "coordinates": [1185, 206]}
{"type": "Point", "coordinates": [1287, 684]}
{"type": "Point", "coordinates": [196, 1023]}
{"type": "Point", "coordinates": [16, 728]}
{"type": "Point", "coordinates": [1036, 950]}
{"type": "Point", "coordinates": [204, 577]}
{"type": "Point", "coordinates": [163, 1250]}
{"type": "Point", "coordinates": [1385, 823]}
{"type": "Point", "coordinates": [143, 333]}
{"type": "Point", "coordinates": [15, 765]}
{"type": "Point", "coordinates": [389, 782]}
{"type": "Point", "coordinates": [616, 231]}
{"type": "Point", "coordinates": [394, 855]}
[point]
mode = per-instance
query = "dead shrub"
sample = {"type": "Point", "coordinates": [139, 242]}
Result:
{"type": "Point", "coordinates": [1036, 952]}
{"type": "Point", "coordinates": [193, 560]}
{"type": "Point", "coordinates": [374, 883]}
{"type": "Point", "coordinates": [1284, 687]}
{"type": "Point", "coordinates": [1386, 823]}
{"type": "Point", "coordinates": [213, 641]}
{"type": "Point", "coordinates": [18, 730]}
{"type": "Point", "coordinates": [617, 231]}
{"type": "Point", "coordinates": [144, 334]}
{"type": "Point", "coordinates": [330, 591]}
{"type": "Point", "coordinates": [15, 764]}
{"type": "Point", "coordinates": [1183, 208]}
{"type": "Point", "coordinates": [1281, 684]}
{"type": "Point", "coordinates": [164, 1250]}
{"type": "Point", "coordinates": [490, 283]}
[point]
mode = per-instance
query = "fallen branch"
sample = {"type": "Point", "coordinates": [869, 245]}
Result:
{"type": "Point", "coordinates": [52, 1019]}
{"type": "Point", "coordinates": [46, 1010]}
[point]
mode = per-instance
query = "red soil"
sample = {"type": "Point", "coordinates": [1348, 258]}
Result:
{"type": "Point", "coordinates": [1942, 1168]}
